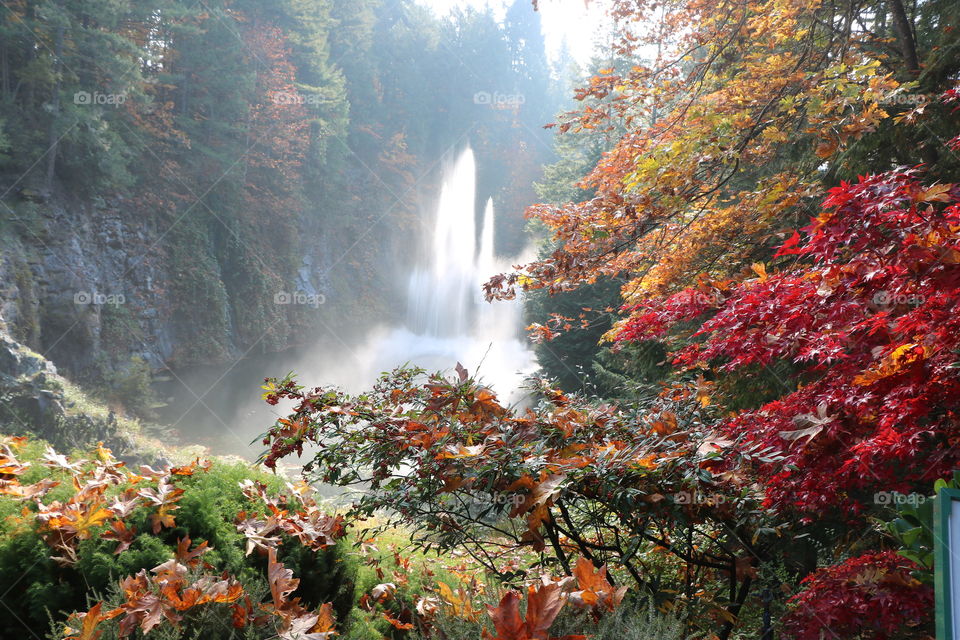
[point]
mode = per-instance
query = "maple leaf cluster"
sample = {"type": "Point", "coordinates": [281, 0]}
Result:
{"type": "Point", "coordinates": [169, 591]}
{"type": "Point", "coordinates": [311, 526]}
{"type": "Point", "coordinates": [63, 524]}
{"type": "Point", "coordinates": [105, 493]}
{"type": "Point", "coordinates": [873, 595]}
{"type": "Point", "coordinates": [869, 318]}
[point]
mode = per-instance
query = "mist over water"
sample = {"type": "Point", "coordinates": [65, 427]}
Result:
{"type": "Point", "coordinates": [447, 321]}
{"type": "Point", "coordinates": [447, 318]}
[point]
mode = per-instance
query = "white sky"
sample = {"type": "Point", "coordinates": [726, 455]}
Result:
{"type": "Point", "coordinates": [560, 19]}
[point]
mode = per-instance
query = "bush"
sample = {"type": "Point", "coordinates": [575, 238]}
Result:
{"type": "Point", "coordinates": [131, 387]}
{"type": "Point", "coordinates": [629, 623]}
{"type": "Point", "coordinates": [36, 588]}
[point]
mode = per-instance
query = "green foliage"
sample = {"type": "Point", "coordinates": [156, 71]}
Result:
{"type": "Point", "coordinates": [569, 357]}
{"type": "Point", "coordinates": [913, 526]}
{"type": "Point", "coordinates": [131, 387]}
{"type": "Point", "coordinates": [36, 587]}
{"type": "Point", "coordinates": [756, 385]}
{"type": "Point", "coordinates": [636, 622]}
{"type": "Point", "coordinates": [632, 371]}
{"type": "Point", "coordinates": [4, 143]}
{"type": "Point", "coordinates": [204, 326]}
{"type": "Point", "coordinates": [27, 328]}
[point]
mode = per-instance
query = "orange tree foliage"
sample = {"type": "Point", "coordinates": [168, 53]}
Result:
{"type": "Point", "coordinates": [653, 492]}
{"type": "Point", "coordinates": [730, 127]}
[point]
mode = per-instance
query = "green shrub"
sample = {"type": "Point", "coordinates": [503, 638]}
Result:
{"type": "Point", "coordinates": [630, 621]}
{"type": "Point", "coordinates": [131, 387]}
{"type": "Point", "coordinates": [34, 588]}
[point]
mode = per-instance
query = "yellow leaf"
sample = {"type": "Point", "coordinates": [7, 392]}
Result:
{"type": "Point", "coordinates": [936, 193]}
{"type": "Point", "coordinates": [760, 270]}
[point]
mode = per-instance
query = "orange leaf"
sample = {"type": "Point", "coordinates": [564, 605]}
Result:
{"type": "Point", "coordinates": [506, 618]}
{"type": "Point", "coordinates": [88, 630]}
{"type": "Point", "coordinates": [397, 624]}
{"type": "Point", "coordinates": [326, 621]}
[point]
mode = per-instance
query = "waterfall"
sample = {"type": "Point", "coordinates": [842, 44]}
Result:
{"type": "Point", "coordinates": [447, 319]}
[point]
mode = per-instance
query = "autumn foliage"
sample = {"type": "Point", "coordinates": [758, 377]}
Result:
{"type": "Point", "coordinates": [104, 495]}
{"type": "Point", "coordinates": [740, 129]}
{"type": "Point", "coordinates": [567, 479]}
{"type": "Point", "coordinates": [873, 595]}
{"type": "Point", "coordinates": [871, 325]}
{"type": "Point", "coordinates": [829, 348]}
{"type": "Point", "coordinates": [526, 614]}
{"type": "Point", "coordinates": [704, 171]}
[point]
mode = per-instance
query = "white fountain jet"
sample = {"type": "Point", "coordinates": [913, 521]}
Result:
{"type": "Point", "coordinates": [448, 320]}
{"type": "Point", "coordinates": [439, 292]}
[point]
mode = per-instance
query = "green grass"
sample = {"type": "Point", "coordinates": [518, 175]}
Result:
{"type": "Point", "coordinates": [80, 403]}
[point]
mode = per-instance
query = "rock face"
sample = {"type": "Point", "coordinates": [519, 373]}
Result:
{"type": "Point", "coordinates": [33, 401]}
{"type": "Point", "coordinates": [92, 283]}
{"type": "Point", "coordinates": [70, 269]}
{"type": "Point", "coordinates": [28, 387]}
{"type": "Point", "coordinates": [17, 362]}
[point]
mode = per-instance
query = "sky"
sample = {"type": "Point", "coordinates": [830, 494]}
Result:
{"type": "Point", "coordinates": [560, 19]}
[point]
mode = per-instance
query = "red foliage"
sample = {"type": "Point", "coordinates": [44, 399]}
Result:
{"type": "Point", "coordinates": [872, 596]}
{"type": "Point", "coordinates": [871, 321]}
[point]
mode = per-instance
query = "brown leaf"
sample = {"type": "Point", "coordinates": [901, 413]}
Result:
{"type": "Point", "coordinates": [506, 618]}
{"type": "Point", "coordinates": [282, 582]}
{"type": "Point", "coordinates": [544, 603]}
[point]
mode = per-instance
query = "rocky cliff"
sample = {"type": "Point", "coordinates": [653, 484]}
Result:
{"type": "Point", "coordinates": [94, 284]}
{"type": "Point", "coordinates": [36, 400]}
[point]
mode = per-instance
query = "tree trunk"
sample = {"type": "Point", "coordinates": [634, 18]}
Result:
{"type": "Point", "coordinates": [52, 138]}
{"type": "Point", "coordinates": [904, 31]}
{"type": "Point", "coordinates": [739, 598]}
{"type": "Point", "coordinates": [557, 548]}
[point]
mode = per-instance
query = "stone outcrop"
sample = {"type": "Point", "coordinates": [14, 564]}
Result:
{"type": "Point", "coordinates": [34, 401]}
{"type": "Point", "coordinates": [92, 283]}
